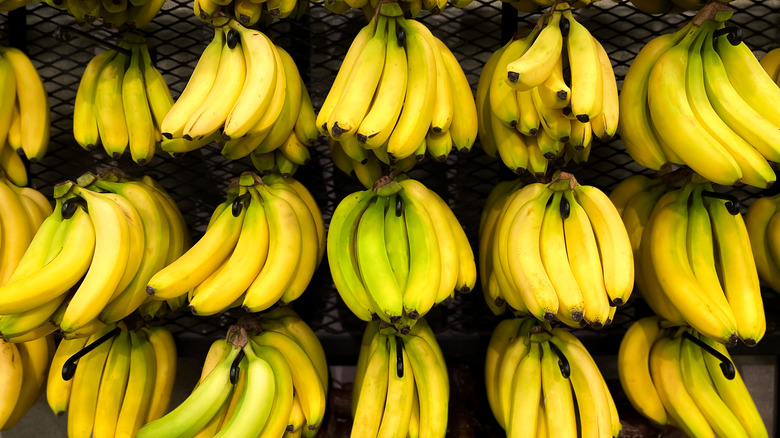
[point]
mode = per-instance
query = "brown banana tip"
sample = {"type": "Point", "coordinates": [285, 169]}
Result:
{"type": "Point", "coordinates": [769, 184]}
{"type": "Point", "coordinates": [204, 16]}
{"type": "Point", "coordinates": [336, 130]}
{"type": "Point", "coordinates": [596, 325]}
{"type": "Point", "coordinates": [225, 137]}
{"type": "Point", "coordinates": [405, 330]}
{"type": "Point", "coordinates": [750, 342]}
{"type": "Point", "coordinates": [21, 153]}
{"type": "Point", "coordinates": [564, 139]}
{"type": "Point", "coordinates": [609, 322]}
{"type": "Point", "coordinates": [733, 339]}
{"type": "Point", "coordinates": [533, 131]}
{"type": "Point", "coordinates": [583, 118]}
{"type": "Point", "coordinates": [513, 123]}
{"type": "Point", "coordinates": [362, 138]}
{"type": "Point", "coordinates": [313, 427]}
{"type": "Point", "coordinates": [616, 302]}
{"type": "Point", "coordinates": [539, 175]}
{"type": "Point", "coordinates": [150, 291]}
{"type": "Point", "coordinates": [142, 162]}
{"type": "Point", "coordinates": [419, 157]}
{"type": "Point", "coordinates": [512, 76]}
{"type": "Point", "coordinates": [275, 14]}
{"type": "Point", "coordinates": [576, 316]}
{"type": "Point", "coordinates": [187, 137]}
{"type": "Point", "coordinates": [364, 161]}
{"type": "Point", "coordinates": [116, 155]}
{"type": "Point", "coordinates": [91, 147]}
{"type": "Point", "coordinates": [290, 428]}
{"type": "Point", "coordinates": [395, 319]}
{"type": "Point", "coordinates": [562, 94]}
{"type": "Point", "coordinates": [579, 147]}
{"type": "Point", "coordinates": [191, 308]}
{"type": "Point", "coordinates": [306, 161]}
{"type": "Point", "coordinates": [464, 290]}
{"type": "Point", "coordinates": [440, 158]}
{"type": "Point", "coordinates": [413, 315]}
{"type": "Point", "coordinates": [436, 130]}
{"type": "Point", "coordinates": [549, 317]}
{"type": "Point", "coordinates": [245, 19]}
{"type": "Point", "coordinates": [499, 301]}
{"type": "Point", "coordinates": [606, 137]}
{"type": "Point", "coordinates": [374, 317]}
{"type": "Point", "coordinates": [549, 155]}
{"type": "Point", "coordinates": [167, 135]}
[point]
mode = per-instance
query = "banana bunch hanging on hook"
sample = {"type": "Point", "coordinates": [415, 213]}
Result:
{"type": "Point", "coordinates": [113, 14]}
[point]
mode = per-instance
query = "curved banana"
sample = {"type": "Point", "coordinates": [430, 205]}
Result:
{"type": "Point", "coordinates": [85, 389]}
{"type": "Point", "coordinates": [587, 86]}
{"type": "Point", "coordinates": [33, 104]}
{"type": "Point", "coordinates": [531, 69]}
{"type": "Point", "coordinates": [526, 395]}
{"type": "Point", "coordinates": [165, 371]}
{"type": "Point", "coordinates": [634, 368]}
{"type": "Point", "coordinates": [85, 128]}
{"type": "Point", "coordinates": [58, 389]}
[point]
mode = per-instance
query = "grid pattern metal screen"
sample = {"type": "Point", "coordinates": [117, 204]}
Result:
{"type": "Point", "coordinates": [318, 43]}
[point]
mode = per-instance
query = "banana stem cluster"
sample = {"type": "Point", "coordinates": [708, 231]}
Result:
{"type": "Point", "coordinates": [671, 380]}
{"type": "Point", "coordinates": [113, 14]}
{"type": "Point", "coordinates": [543, 382]}
{"type": "Point", "coordinates": [90, 260]}
{"type": "Point", "coordinates": [246, 94]}
{"type": "Point", "coordinates": [396, 251]}
{"type": "Point", "coordinates": [401, 384]}
{"type": "Point", "coordinates": [546, 94]}
{"type": "Point", "coordinates": [121, 102]}
{"type": "Point", "coordinates": [399, 94]}
{"type": "Point", "coordinates": [763, 226]}
{"type": "Point", "coordinates": [262, 246]}
{"type": "Point", "coordinates": [694, 259]}
{"type": "Point", "coordinates": [122, 384]}
{"type": "Point", "coordinates": [554, 251]}
{"type": "Point", "coordinates": [23, 370]}
{"type": "Point", "coordinates": [695, 98]}
{"type": "Point", "coordinates": [24, 113]}
{"type": "Point", "coordinates": [280, 387]}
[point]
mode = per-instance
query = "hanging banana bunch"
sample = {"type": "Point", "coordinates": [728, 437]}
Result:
{"type": "Point", "coordinates": [124, 383]}
{"type": "Point", "coordinates": [701, 99]}
{"type": "Point", "coordinates": [546, 94]}
{"type": "Point", "coordinates": [24, 113]}
{"type": "Point", "coordinates": [245, 93]}
{"type": "Point", "coordinates": [771, 64]}
{"type": "Point", "coordinates": [10, 5]}
{"type": "Point", "coordinates": [23, 369]}
{"type": "Point", "coordinates": [121, 102]}
{"type": "Point", "coordinates": [672, 376]}
{"type": "Point", "coordinates": [401, 384]}
{"type": "Point", "coordinates": [248, 12]}
{"type": "Point", "coordinates": [410, 242]}
{"type": "Point", "coordinates": [399, 94]}
{"type": "Point", "coordinates": [107, 235]}
{"type": "Point", "coordinates": [543, 382]}
{"type": "Point", "coordinates": [694, 261]}
{"type": "Point", "coordinates": [268, 378]}
{"type": "Point", "coordinates": [113, 14]}
{"type": "Point", "coordinates": [556, 250]}
{"type": "Point", "coordinates": [763, 226]}
{"type": "Point", "coordinates": [262, 246]}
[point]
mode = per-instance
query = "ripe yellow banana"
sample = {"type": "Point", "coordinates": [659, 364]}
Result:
{"type": "Point", "coordinates": [33, 104]}
{"type": "Point", "coordinates": [533, 68]}
{"type": "Point", "coordinates": [634, 368]}
{"type": "Point", "coordinates": [85, 128]}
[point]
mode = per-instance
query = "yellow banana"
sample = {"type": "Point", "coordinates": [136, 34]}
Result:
{"type": "Point", "coordinates": [531, 69]}
{"type": "Point", "coordinates": [634, 368]}
{"type": "Point", "coordinates": [33, 104]}
{"type": "Point", "coordinates": [85, 128]}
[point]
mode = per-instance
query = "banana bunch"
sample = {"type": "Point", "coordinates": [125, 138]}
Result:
{"type": "Point", "coordinates": [262, 246]}
{"type": "Point", "coordinates": [113, 14]}
{"type": "Point", "coordinates": [249, 12]}
{"type": "Point", "coordinates": [24, 210]}
{"type": "Point", "coordinates": [671, 377]}
{"type": "Point", "coordinates": [410, 8]}
{"type": "Point", "coordinates": [23, 369]}
{"type": "Point", "coordinates": [771, 64]}
{"type": "Point", "coordinates": [545, 95]}
{"type": "Point", "coordinates": [399, 92]}
{"type": "Point", "coordinates": [121, 102]}
{"type": "Point", "coordinates": [370, 169]}
{"type": "Point", "coordinates": [247, 94]}
{"type": "Point", "coordinates": [274, 162]}
{"type": "Point", "coordinates": [543, 382]}
{"type": "Point", "coordinates": [10, 5]}
{"type": "Point", "coordinates": [763, 227]}
{"type": "Point", "coordinates": [124, 383]}
{"type": "Point", "coordinates": [670, 6]}
{"type": "Point", "coordinates": [270, 382]}
{"type": "Point", "coordinates": [24, 112]}
{"type": "Point", "coordinates": [401, 384]}
{"type": "Point", "coordinates": [695, 264]}
{"type": "Point", "coordinates": [693, 98]}
{"type": "Point", "coordinates": [90, 261]}
{"type": "Point", "coordinates": [396, 250]}
{"type": "Point", "coordinates": [555, 250]}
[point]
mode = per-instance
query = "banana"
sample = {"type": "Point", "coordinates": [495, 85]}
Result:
{"type": "Point", "coordinates": [353, 104]}
{"type": "Point", "coordinates": [109, 107]}
{"type": "Point", "coordinates": [85, 128]}
{"type": "Point", "coordinates": [636, 126]}
{"type": "Point", "coordinates": [340, 244]}
{"type": "Point", "coordinates": [84, 394]}
{"type": "Point", "coordinates": [400, 391]}
{"type": "Point", "coordinates": [702, 390]}
{"type": "Point", "coordinates": [463, 128]}
{"type": "Point", "coordinates": [553, 91]}
{"type": "Point", "coordinates": [35, 359]}
{"type": "Point", "coordinates": [307, 383]}
{"type": "Point", "coordinates": [414, 421]}
{"type": "Point", "coordinates": [614, 245]}
{"type": "Point", "coordinates": [587, 86]}
{"type": "Point", "coordinates": [605, 125]}
{"type": "Point", "coordinates": [284, 398]}
{"type": "Point", "coordinates": [760, 132]}
{"type": "Point", "coordinates": [502, 101]}
{"type": "Point", "coordinates": [526, 389]}
{"type": "Point", "coordinates": [467, 269]}
{"type": "Point", "coordinates": [511, 147]}
{"type": "Point", "coordinates": [305, 125]}
{"type": "Point", "coordinates": [16, 237]}
{"type": "Point", "coordinates": [734, 393]}
{"type": "Point", "coordinates": [552, 247]}
{"type": "Point", "coordinates": [165, 371]}
{"type": "Point", "coordinates": [369, 343]}
{"type": "Point", "coordinates": [285, 252]}
{"type": "Point", "coordinates": [10, 162]}
{"type": "Point", "coordinates": [201, 260]}
{"type": "Point", "coordinates": [503, 335]}
{"type": "Point", "coordinates": [284, 124]}
{"type": "Point", "coordinates": [57, 389]}
{"type": "Point", "coordinates": [634, 370]}
{"type": "Point", "coordinates": [59, 275]}
{"type": "Point", "coordinates": [484, 130]}
{"type": "Point", "coordinates": [432, 384]}
{"type": "Point", "coordinates": [738, 272]}
{"type": "Point", "coordinates": [533, 67]}
{"type": "Point", "coordinates": [755, 170]}
{"type": "Point", "coordinates": [396, 241]}
{"type": "Point", "coordinates": [204, 402]}
{"type": "Point", "coordinates": [256, 401]}
{"type": "Point", "coordinates": [757, 221]}
{"type": "Point", "coordinates": [558, 400]}
{"type": "Point", "coordinates": [373, 391]}
{"type": "Point", "coordinates": [238, 272]}
{"type": "Point", "coordinates": [138, 114]}
{"type": "Point", "coordinates": [354, 53]}
{"type": "Point", "coordinates": [11, 379]}
{"type": "Point", "coordinates": [197, 89]}
{"type": "Point", "coordinates": [415, 118]}
{"type": "Point", "coordinates": [33, 104]}
{"type": "Point", "coordinates": [771, 64]}
{"type": "Point", "coordinates": [112, 386]}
